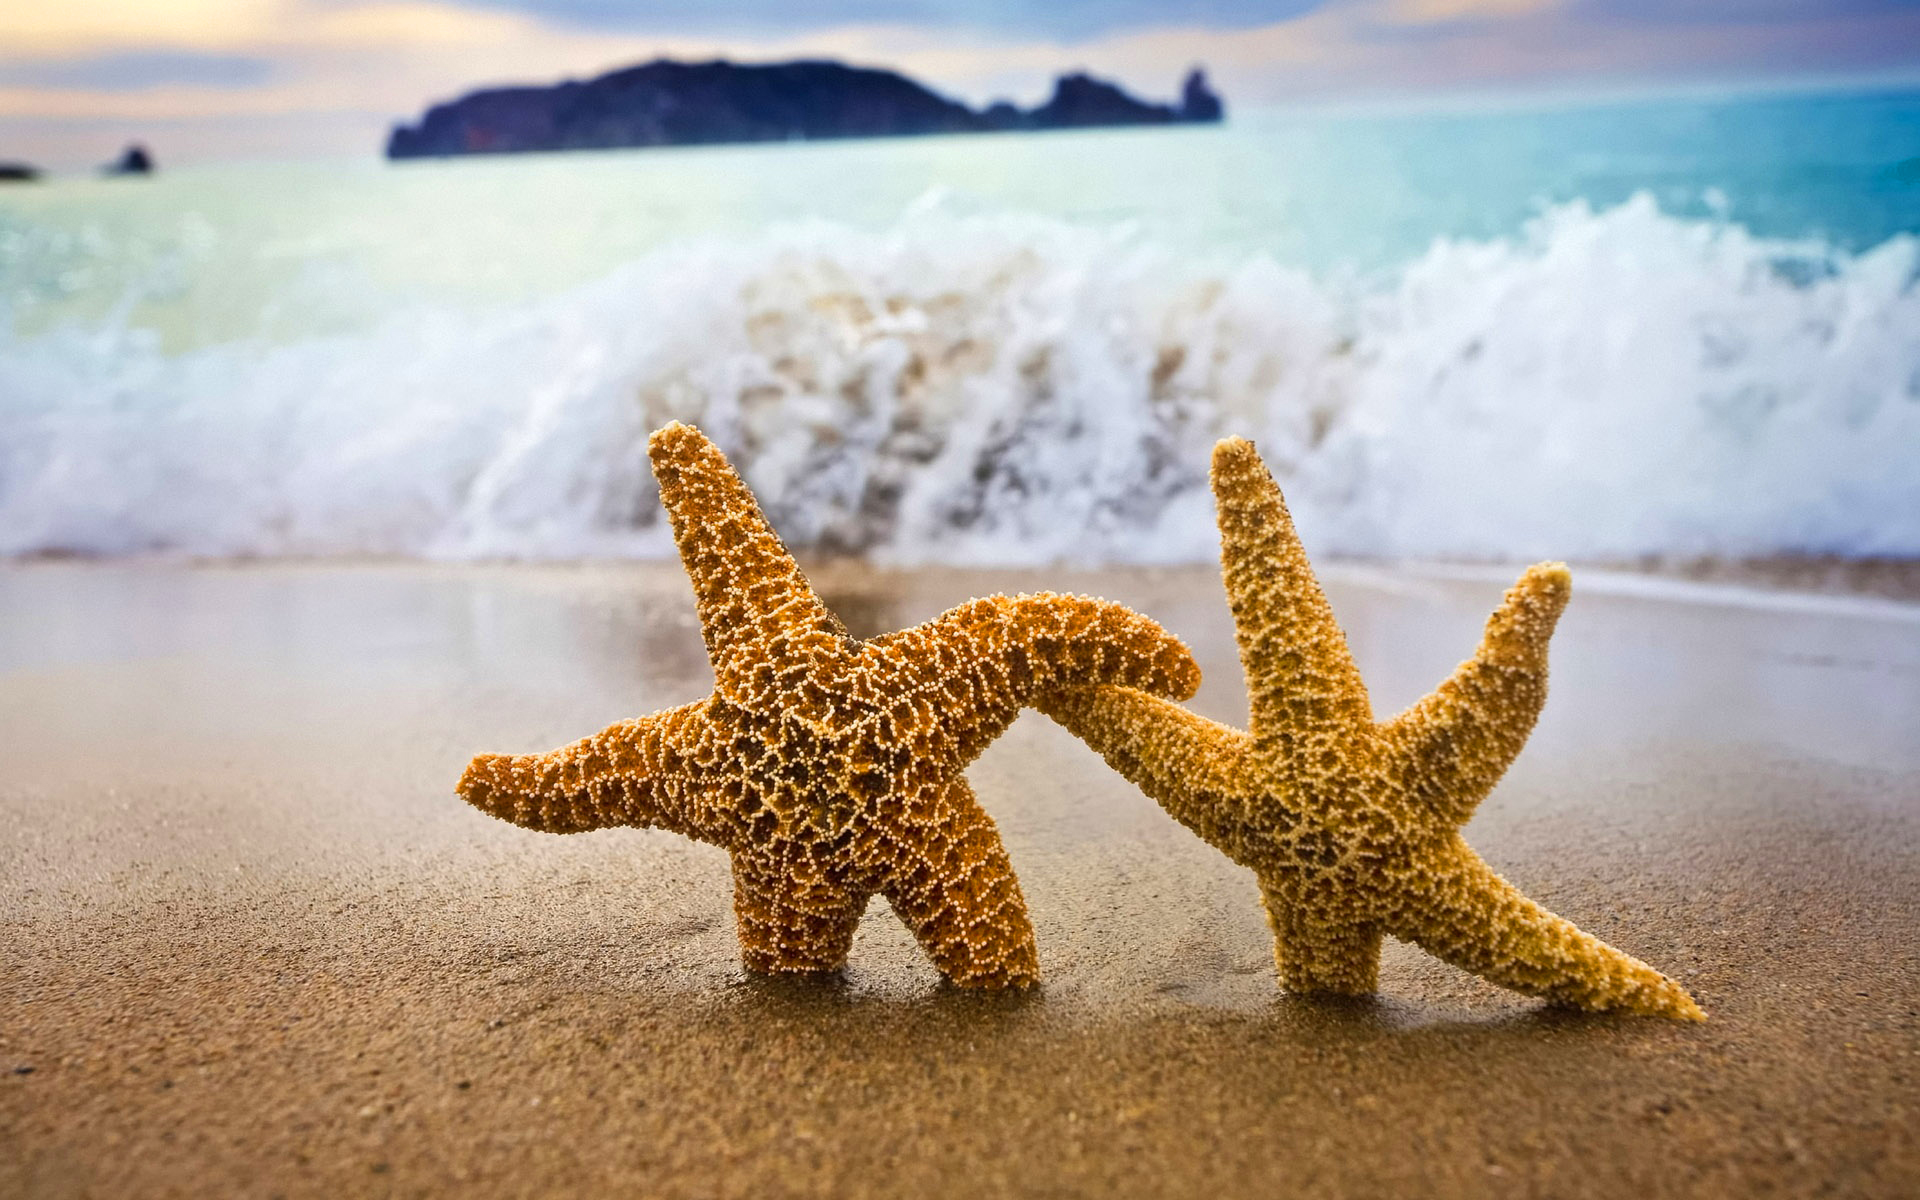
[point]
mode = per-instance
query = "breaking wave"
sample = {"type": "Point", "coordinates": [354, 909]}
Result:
{"type": "Point", "coordinates": [1001, 389]}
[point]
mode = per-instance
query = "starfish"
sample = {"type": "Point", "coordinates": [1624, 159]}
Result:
{"type": "Point", "coordinates": [830, 768]}
{"type": "Point", "coordinates": [1351, 826]}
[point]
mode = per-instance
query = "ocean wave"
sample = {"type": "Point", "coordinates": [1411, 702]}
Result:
{"type": "Point", "coordinates": [999, 389]}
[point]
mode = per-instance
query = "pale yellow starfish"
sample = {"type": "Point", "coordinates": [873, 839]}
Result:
{"type": "Point", "coordinates": [830, 768]}
{"type": "Point", "coordinates": [1352, 827]}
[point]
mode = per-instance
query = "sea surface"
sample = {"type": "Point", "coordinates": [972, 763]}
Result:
{"type": "Point", "coordinates": [1602, 331]}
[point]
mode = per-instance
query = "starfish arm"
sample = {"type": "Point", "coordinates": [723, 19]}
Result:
{"type": "Point", "coordinates": [791, 915]}
{"type": "Point", "coordinates": [1454, 745]}
{"type": "Point", "coordinates": [1186, 764]}
{"type": "Point", "coordinates": [1317, 955]}
{"type": "Point", "coordinates": [964, 676]}
{"type": "Point", "coordinates": [754, 601]}
{"type": "Point", "coordinates": [640, 772]}
{"type": "Point", "coordinates": [1300, 676]}
{"type": "Point", "coordinates": [1459, 910]}
{"type": "Point", "coordinates": [953, 885]}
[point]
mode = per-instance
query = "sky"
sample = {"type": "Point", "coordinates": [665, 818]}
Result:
{"type": "Point", "coordinates": [216, 79]}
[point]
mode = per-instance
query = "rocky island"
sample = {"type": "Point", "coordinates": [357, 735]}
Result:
{"type": "Point", "coordinates": [669, 103]}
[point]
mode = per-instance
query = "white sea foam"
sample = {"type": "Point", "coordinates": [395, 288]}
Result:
{"type": "Point", "coordinates": [1000, 389]}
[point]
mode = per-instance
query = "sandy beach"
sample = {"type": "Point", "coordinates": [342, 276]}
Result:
{"type": "Point", "coordinates": [251, 943]}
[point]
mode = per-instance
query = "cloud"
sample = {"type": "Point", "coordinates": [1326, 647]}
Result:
{"type": "Point", "coordinates": [138, 71]}
{"type": "Point", "coordinates": [77, 27]}
{"type": "Point", "coordinates": [1737, 12]}
{"type": "Point", "coordinates": [1434, 12]}
{"type": "Point", "coordinates": [1011, 20]}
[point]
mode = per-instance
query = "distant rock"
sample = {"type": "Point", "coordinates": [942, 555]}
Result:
{"type": "Point", "coordinates": [1081, 101]}
{"type": "Point", "coordinates": [134, 160]}
{"type": "Point", "coordinates": [668, 103]}
{"type": "Point", "coordinates": [1198, 102]}
{"type": "Point", "coordinates": [18, 172]}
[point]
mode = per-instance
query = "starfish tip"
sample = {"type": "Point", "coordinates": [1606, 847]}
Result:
{"type": "Point", "coordinates": [675, 436]}
{"type": "Point", "coordinates": [1546, 588]}
{"type": "Point", "coordinates": [1183, 678]}
{"type": "Point", "coordinates": [1231, 453]}
{"type": "Point", "coordinates": [474, 787]}
{"type": "Point", "coordinates": [1672, 1000]}
{"type": "Point", "coordinates": [487, 784]}
{"type": "Point", "coordinates": [1551, 576]}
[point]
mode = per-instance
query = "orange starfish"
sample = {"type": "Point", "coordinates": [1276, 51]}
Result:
{"type": "Point", "coordinates": [1351, 827]}
{"type": "Point", "coordinates": [830, 768]}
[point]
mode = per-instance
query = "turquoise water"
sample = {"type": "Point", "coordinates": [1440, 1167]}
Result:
{"type": "Point", "coordinates": [1696, 317]}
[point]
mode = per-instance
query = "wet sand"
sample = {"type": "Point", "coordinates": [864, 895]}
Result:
{"type": "Point", "coordinates": [250, 943]}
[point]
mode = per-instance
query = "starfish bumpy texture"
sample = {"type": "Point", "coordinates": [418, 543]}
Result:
{"type": "Point", "coordinates": [1351, 827]}
{"type": "Point", "coordinates": [830, 768]}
